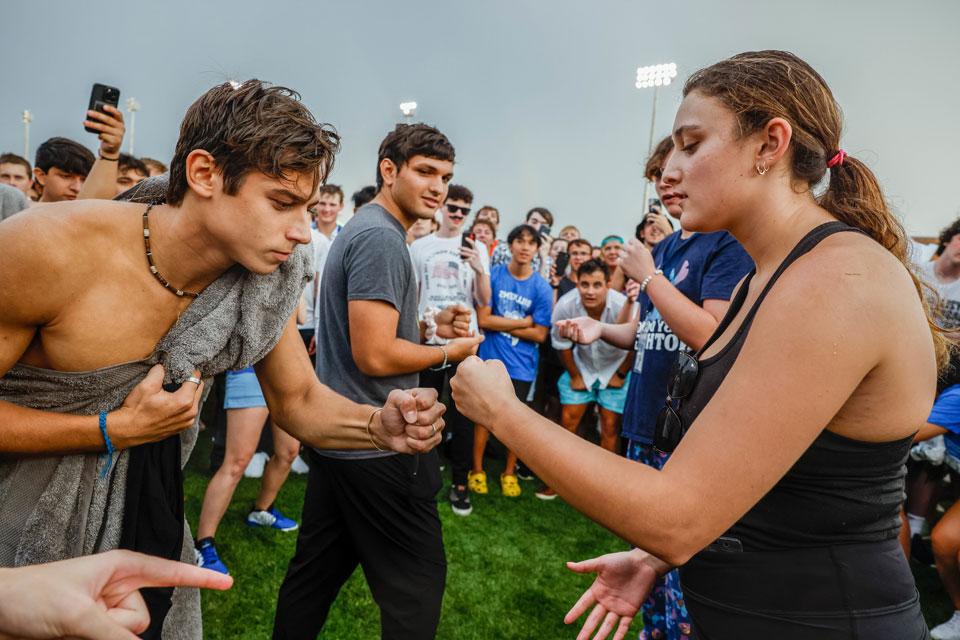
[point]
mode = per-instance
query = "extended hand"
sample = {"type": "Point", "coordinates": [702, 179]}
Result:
{"type": "Point", "coordinates": [461, 348]}
{"type": "Point", "coordinates": [636, 261]}
{"type": "Point", "coordinates": [454, 322]}
{"type": "Point", "coordinates": [623, 582]}
{"type": "Point", "coordinates": [481, 389]}
{"type": "Point", "coordinates": [93, 597]}
{"type": "Point", "coordinates": [582, 330]}
{"type": "Point", "coordinates": [150, 414]}
{"type": "Point", "coordinates": [111, 128]}
{"type": "Point", "coordinates": [411, 421]}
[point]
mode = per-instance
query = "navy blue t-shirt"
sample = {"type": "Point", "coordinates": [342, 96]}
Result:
{"type": "Point", "coordinates": [705, 266]}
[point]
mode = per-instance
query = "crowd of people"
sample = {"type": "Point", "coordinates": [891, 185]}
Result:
{"type": "Point", "coordinates": [342, 333]}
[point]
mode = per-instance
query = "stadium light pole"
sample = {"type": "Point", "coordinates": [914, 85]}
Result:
{"type": "Point", "coordinates": [27, 119]}
{"type": "Point", "coordinates": [132, 107]}
{"type": "Point", "coordinates": [409, 109]}
{"type": "Point", "coordinates": [656, 76]}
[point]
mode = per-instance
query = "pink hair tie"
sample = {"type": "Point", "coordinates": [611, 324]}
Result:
{"type": "Point", "coordinates": [837, 159]}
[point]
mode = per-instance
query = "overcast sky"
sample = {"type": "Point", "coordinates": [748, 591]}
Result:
{"type": "Point", "coordinates": [537, 96]}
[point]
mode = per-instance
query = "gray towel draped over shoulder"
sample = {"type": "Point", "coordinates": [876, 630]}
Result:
{"type": "Point", "coordinates": [55, 507]}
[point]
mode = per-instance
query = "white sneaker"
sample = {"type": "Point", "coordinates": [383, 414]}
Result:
{"type": "Point", "coordinates": [255, 466]}
{"type": "Point", "coordinates": [933, 451]}
{"type": "Point", "coordinates": [949, 630]}
{"type": "Point", "coordinates": [299, 466]}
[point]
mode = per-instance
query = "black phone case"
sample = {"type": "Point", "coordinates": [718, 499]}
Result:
{"type": "Point", "coordinates": [100, 96]}
{"type": "Point", "coordinates": [563, 259]}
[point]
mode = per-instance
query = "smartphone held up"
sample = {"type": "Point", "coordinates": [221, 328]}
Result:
{"type": "Point", "coordinates": [102, 95]}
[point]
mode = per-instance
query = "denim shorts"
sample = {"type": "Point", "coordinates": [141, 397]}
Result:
{"type": "Point", "coordinates": [243, 390]}
{"type": "Point", "coordinates": [610, 399]}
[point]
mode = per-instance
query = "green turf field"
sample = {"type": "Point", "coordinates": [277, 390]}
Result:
{"type": "Point", "coordinates": [506, 577]}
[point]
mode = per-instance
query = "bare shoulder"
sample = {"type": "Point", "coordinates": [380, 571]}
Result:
{"type": "Point", "coordinates": [51, 249]}
{"type": "Point", "coordinates": [852, 271]}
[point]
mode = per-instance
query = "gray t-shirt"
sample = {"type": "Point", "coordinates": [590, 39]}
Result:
{"type": "Point", "coordinates": [367, 261]}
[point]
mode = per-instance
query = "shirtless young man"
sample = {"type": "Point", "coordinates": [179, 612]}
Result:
{"type": "Point", "coordinates": [77, 296]}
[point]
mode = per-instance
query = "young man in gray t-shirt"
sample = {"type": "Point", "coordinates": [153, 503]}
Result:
{"type": "Point", "coordinates": [372, 507]}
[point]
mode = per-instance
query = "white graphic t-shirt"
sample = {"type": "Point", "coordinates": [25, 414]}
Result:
{"type": "Point", "coordinates": [444, 277]}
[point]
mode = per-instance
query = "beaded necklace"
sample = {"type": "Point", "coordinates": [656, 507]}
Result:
{"type": "Point", "coordinates": [153, 267]}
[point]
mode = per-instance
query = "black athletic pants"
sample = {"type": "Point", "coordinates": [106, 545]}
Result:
{"type": "Point", "coordinates": [378, 514]}
{"type": "Point", "coordinates": [460, 447]}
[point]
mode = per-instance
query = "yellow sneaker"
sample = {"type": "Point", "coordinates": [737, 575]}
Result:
{"type": "Point", "coordinates": [509, 485]}
{"type": "Point", "coordinates": [477, 482]}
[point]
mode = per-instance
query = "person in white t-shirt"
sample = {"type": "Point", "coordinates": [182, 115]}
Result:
{"type": "Point", "coordinates": [452, 269]}
{"type": "Point", "coordinates": [595, 373]}
{"type": "Point", "coordinates": [329, 206]}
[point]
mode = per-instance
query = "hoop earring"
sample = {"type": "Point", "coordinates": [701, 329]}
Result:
{"type": "Point", "coordinates": [761, 169]}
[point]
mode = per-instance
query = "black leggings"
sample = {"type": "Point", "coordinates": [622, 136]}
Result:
{"type": "Point", "coordinates": [841, 592]}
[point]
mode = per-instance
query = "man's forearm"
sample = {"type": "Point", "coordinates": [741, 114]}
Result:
{"type": "Point", "coordinates": [622, 336]}
{"type": "Point", "coordinates": [566, 358]}
{"type": "Point", "coordinates": [483, 291]}
{"type": "Point", "coordinates": [531, 334]}
{"type": "Point", "coordinates": [690, 322]}
{"type": "Point", "coordinates": [506, 325]}
{"type": "Point", "coordinates": [324, 419]}
{"type": "Point", "coordinates": [31, 432]}
{"type": "Point", "coordinates": [101, 182]}
{"type": "Point", "coordinates": [399, 357]}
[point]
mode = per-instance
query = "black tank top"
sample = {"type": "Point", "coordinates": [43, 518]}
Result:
{"type": "Point", "coordinates": [840, 491]}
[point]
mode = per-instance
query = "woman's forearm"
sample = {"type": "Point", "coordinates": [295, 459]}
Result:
{"type": "Point", "coordinates": [651, 523]}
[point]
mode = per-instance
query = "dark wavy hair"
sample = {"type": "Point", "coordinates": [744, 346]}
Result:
{"type": "Point", "coordinates": [408, 140]}
{"type": "Point", "coordinates": [252, 127]}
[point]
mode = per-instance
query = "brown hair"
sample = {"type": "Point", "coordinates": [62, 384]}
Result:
{"type": "Point", "coordinates": [154, 165]}
{"type": "Point", "coordinates": [761, 85]}
{"type": "Point", "coordinates": [543, 211]}
{"type": "Point", "coordinates": [12, 158]}
{"type": "Point", "coordinates": [459, 192]}
{"type": "Point", "coordinates": [408, 140]}
{"type": "Point", "coordinates": [488, 207]}
{"type": "Point", "coordinates": [252, 127]}
{"type": "Point", "coordinates": [332, 190]}
{"type": "Point", "coordinates": [657, 159]}
{"type": "Point", "coordinates": [579, 241]}
{"type": "Point", "coordinates": [484, 223]}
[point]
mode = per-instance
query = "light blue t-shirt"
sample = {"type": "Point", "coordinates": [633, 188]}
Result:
{"type": "Point", "coordinates": [514, 298]}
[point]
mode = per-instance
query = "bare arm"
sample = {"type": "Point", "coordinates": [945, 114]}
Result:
{"type": "Point", "coordinates": [928, 431]}
{"type": "Point", "coordinates": [101, 182]}
{"type": "Point", "coordinates": [537, 333]}
{"type": "Point", "coordinates": [566, 358]}
{"type": "Point", "coordinates": [762, 413]}
{"type": "Point", "coordinates": [490, 322]}
{"type": "Point", "coordinates": [483, 292]}
{"type": "Point", "coordinates": [38, 278]}
{"type": "Point", "coordinates": [318, 416]}
{"type": "Point", "coordinates": [381, 353]}
{"type": "Point", "coordinates": [692, 324]}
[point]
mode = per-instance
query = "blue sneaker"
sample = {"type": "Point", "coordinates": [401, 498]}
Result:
{"type": "Point", "coordinates": [271, 518]}
{"type": "Point", "coordinates": [207, 557]}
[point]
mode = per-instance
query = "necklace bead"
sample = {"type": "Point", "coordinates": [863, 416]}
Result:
{"type": "Point", "coordinates": [153, 267]}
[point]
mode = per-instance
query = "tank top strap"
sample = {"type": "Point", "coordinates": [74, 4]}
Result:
{"type": "Point", "coordinates": [806, 244]}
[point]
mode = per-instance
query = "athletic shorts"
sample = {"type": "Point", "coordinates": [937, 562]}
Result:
{"type": "Point", "coordinates": [243, 390]}
{"type": "Point", "coordinates": [610, 399]}
{"type": "Point", "coordinates": [946, 414]}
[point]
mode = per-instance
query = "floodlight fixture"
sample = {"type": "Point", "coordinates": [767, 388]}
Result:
{"type": "Point", "coordinates": [409, 109]}
{"type": "Point", "coordinates": [656, 75]}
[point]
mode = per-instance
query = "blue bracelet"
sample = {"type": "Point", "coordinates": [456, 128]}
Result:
{"type": "Point", "coordinates": [109, 445]}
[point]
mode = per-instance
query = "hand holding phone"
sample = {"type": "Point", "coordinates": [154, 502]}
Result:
{"type": "Point", "coordinates": [105, 119]}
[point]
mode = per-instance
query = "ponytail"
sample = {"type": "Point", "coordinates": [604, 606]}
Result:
{"type": "Point", "coordinates": [855, 198]}
{"type": "Point", "coordinates": [760, 85]}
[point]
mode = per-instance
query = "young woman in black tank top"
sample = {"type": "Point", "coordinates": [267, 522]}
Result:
{"type": "Point", "coordinates": [780, 503]}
